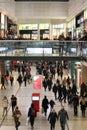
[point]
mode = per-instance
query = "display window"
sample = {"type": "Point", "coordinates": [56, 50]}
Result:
{"type": "Point", "coordinates": [28, 26]}
{"type": "Point", "coordinates": [26, 36]}
{"type": "Point", "coordinates": [57, 30]}
{"type": "Point", "coordinates": [44, 26]}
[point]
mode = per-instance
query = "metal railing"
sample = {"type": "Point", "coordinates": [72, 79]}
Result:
{"type": "Point", "coordinates": [42, 48]}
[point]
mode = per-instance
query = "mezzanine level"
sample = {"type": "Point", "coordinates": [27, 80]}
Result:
{"type": "Point", "coordinates": [42, 50]}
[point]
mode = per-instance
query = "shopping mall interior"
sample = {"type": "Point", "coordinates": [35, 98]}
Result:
{"type": "Point", "coordinates": [42, 40]}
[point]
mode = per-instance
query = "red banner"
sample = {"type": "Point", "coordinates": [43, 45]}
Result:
{"type": "Point", "coordinates": [37, 81]}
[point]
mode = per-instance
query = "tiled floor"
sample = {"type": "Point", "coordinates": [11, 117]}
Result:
{"type": "Point", "coordinates": [24, 100]}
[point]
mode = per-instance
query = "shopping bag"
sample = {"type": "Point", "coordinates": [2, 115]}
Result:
{"type": "Point", "coordinates": [27, 121]}
{"type": "Point", "coordinates": [42, 110]}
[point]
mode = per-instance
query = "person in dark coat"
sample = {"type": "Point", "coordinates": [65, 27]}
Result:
{"type": "Point", "coordinates": [45, 84]}
{"type": "Point", "coordinates": [55, 90]}
{"type": "Point", "coordinates": [3, 82]}
{"type": "Point", "coordinates": [75, 101]}
{"type": "Point", "coordinates": [32, 113]}
{"type": "Point", "coordinates": [52, 103]}
{"type": "Point", "coordinates": [63, 115]}
{"type": "Point", "coordinates": [13, 103]}
{"type": "Point", "coordinates": [49, 84]}
{"type": "Point", "coordinates": [64, 93]}
{"type": "Point", "coordinates": [45, 103]}
{"type": "Point", "coordinates": [52, 119]}
{"type": "Point", "coordinates": [83, 106]}
{"type": "Point", "coordinates": [19, 79]}
{"type": "Point", "coordinates": [11, 80]}
{"type": "Point", "coordinates": [74, 89]}
{"type": "Point", "coordinates": [83, 89]}
{"type": "Point", "coordinates": [25, 80]}
{"type": "Point", "coordinates": [59, 92]}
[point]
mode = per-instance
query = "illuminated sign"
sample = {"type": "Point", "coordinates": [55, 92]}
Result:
{"type": "Point", "coordinates": [28, 26]}
{"type": "Point", "coordinates": [39, 50]}
{"type": "Point", "coordinates": [37, 81]}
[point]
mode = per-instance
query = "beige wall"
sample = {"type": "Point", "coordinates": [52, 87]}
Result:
{"type": "Point", "coordinates": [8, 8]}
{"type": "Point", "coordinates": [40, 11]}
{"type": "Point", "coordinates": [37, 12]}
{"type": "Point", "coordinates": [75, 7]}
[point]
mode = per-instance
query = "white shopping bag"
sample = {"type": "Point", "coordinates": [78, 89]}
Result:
{"type": "Point", "coordinates": [27, 121]}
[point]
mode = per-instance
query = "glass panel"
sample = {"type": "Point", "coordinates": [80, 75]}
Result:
{"type": "Point", "coordinates": [42, 48]}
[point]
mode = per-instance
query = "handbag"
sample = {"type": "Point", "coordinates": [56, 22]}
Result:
{"type": "Point", "coordinates": [42, 110]}
{"type": "Point", "coordinates": [27, 121]}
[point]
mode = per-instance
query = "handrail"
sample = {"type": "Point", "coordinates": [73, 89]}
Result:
{"type": "Point", "coordinates": [43, 48]}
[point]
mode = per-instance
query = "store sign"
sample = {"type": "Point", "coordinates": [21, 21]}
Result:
{"type": "Point", "coordinates": [79, 19]}
{"type": "Point", "coordinates": [37, 81]}
{"type": "Point", "coordinates": [28, 26]}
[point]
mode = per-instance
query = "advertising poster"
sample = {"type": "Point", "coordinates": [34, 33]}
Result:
{"type": "Point", "coordinates": [37, 80]}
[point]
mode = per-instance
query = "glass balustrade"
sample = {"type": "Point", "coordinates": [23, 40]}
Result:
{"type": "Point", "coordinates": [51, 48]}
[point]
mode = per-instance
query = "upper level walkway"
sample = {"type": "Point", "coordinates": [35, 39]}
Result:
{"type": "Point", "coordinates": [42, 50]}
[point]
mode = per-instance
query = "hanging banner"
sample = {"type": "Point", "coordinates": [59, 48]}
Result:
{"type": "Point", "coordinates": [37, 81]}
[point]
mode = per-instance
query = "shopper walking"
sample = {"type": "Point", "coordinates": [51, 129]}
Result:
{"type": "Point", "coordinates": [11, 80]}
{"type": "Point", "coordinates": [31, 115]}
{"type": "Point", "coordinates": [3, 82]}
{"type": "Point", "coordinates": [19, 79]}
{"type": "Point", "coordinates": [5, 105]}
{"type": "Point", "coordinates": [63, 115]}
{"type": "Point", "coordinates": [83, 106]}
{"type": "Point", "coordinates": [52, 119]}
{"type": "Point", "coordinates": [45, 103]}
{"type": "Point", "coordinates": [13, 103]}
{"type": "Point", "coordinates": [75, 101]}
{"type": "Point", "coordinates": [17, 115]}
{"type": "Point", "coordinates": [55, 91]}
{"type": "Point", "coordinates": [25, 80]}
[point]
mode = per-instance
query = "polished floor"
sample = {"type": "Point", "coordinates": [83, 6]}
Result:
{"type": "Point", "coordinates": [23, 95]}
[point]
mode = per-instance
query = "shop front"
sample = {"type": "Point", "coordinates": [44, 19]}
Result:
{"type": "Point", "coordinates": [44, 31]}
{"type": "Point", "coordinates": [29, 31]}
{"type": "Point", "coordinates": [79, 19]}
{"type": "Point", "coordinates": [71, 28]}
{"type": "Point", "coordinates": [57, 29]}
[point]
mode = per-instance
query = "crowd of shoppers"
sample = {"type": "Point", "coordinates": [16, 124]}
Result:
{"type": "Point", "coordinates": [63, 88]}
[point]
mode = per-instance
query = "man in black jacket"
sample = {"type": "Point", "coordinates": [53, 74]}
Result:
{"type": "Point", "coordinates": [45, 103]}
{"type": "Point", "coordinates": [63, 115]}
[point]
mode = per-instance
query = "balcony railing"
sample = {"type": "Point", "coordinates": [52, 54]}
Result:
{"type": "Point", "coordinates": [41, 48]}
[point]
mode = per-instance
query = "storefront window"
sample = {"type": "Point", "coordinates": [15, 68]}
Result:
{"type": "Point", "coordinates": [28, 26]}
{"type": "Point", "coordinates": [58, 26]}
{"type": "Point", "coordinates": [57, 30]}
{"type": "Point", "coordinates": [44, 26]}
